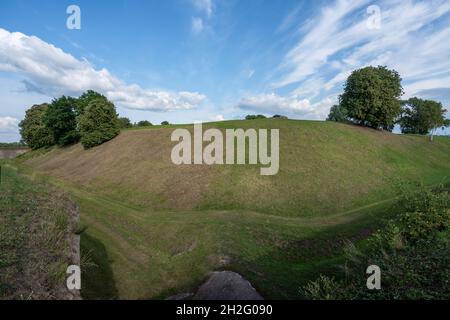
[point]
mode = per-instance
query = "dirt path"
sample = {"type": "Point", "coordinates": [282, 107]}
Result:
{"type": "Point", "coordinates": [134, 254]}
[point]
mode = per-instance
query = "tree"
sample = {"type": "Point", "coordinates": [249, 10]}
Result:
{"type": "Point", "coordinates": [165, 123]}
{"type": "Point", "coordinates": [371, 97]}
{"type": "Point", "coordinates": [60, 119]}
{"type": "Point", "coordinates": [278, 116]}
{"type": "Point", "coordinates": [33, 129]}
{"type": "Point", "coordinates": [124, 123]}
{"type": "Point", "coordinates": [98, 123]}
{"type": "Point", "coordinates": [86, 98]}
{"type": "Point", "coordinates": [144, 123]}
{"type": "Point", "coordinates": [422, 117]}
{"type": "Point", "coordinates": [338, 114]}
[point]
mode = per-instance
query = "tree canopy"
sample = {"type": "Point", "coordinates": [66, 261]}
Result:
{"type": "Point", "coordinates": [422, 116]}
{"type": "Point", "coordinates": [98, 123]}
{"type": "Point", "coordinates": [372, 97]}
{"type": "Point", "coordinates": [83, 101]}
{"type": "Point", "coordinates": [33, 129]}
{"type": "Point", "coordinates": [144, 123]}
{"type": "Point", "coordinates": [124, 123]}
{"type": "Point", "coordinates": [338, 114]}
{"type": "Point", "coordinates": [60, 119]}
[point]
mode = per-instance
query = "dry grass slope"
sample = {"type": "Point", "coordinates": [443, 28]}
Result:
{"type": "Point", "coordinates": [324, 168]}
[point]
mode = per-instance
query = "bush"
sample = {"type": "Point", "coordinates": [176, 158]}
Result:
{"type": "Point", "coordinates": [33, 129]}
{"type": "Point", "coordinates": [165, 123]}
{"type": "Point", "coordinates": [412, 251]}
{"type": "Point", "coordinates": [324, 288]}
{"type": "Point", "coordinates": [98, 124]}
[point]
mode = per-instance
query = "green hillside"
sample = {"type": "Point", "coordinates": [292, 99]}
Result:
{"type": "Point", "coordinates": [155, 229]}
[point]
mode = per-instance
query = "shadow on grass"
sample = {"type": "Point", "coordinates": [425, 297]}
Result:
{"type": "Point", "coordinates": [285, 268]}
{"type": "Point", "coordinates": [97, 276]}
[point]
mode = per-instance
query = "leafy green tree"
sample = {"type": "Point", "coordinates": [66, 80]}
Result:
{"type": "Point", "coordinates": [60, 119]}
{"type": "Point", "coordinates": [125, 123]}
{"type": "Point", "coordinates": [98, 123]}
{"type": "Point", "coordinates": [165, 123]}
{"type": "Point", "coordinates": [338, 114]}
{"type": "Point", "coordinates": [33, 129]}
{"type": "Point", "coordinates": [371, 97]}
{"type": "Point", "coordinates": [86, 98]}
{"type": "Point", "coordinates": [422, 116]}
{"type": "Point", "coordinates": [144, 123]}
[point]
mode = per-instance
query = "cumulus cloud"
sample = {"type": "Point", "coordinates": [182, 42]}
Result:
{"type": "Point", "coordinates": [412, 39]}
{"type": "Point", "coordinates": [290, 105]}
{"type": "Point", "coordinates": [8, 124]}
{"type": "Point", "coordinates": [50, 70]}
{"type": "Point", "coordinates": [268, 103]}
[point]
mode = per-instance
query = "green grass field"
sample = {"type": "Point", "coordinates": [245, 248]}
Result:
{"type": "Point", "coordinates": [37, 224]}
{"type": "Point", "coordinates": [155, 229]}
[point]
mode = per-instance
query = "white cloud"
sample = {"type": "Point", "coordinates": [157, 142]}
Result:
{"type": "Point", "coordinates": [8, 124]}
{"type": "Point", "coordinates": [206, 6]}
{"type": "Point", "coordinates": [197, 25]}
{"type": "Point", "coordinates": [269, 103]}
{"type": "Point", "coordinates": [291, 105]}
{"type": "Point", "coordinates": [219, 117]}
{"type": "Point", "coordinates": [52, 71]}
{"type": "Point", "coordinates": [410, 41]}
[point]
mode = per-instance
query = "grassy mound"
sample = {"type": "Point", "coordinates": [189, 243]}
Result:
{"type": "Point", "coordinates": [325, 167]}
{"type": "Point", "coordinates": [155, 229]}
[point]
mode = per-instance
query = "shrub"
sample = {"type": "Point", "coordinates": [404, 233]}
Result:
{"type": "Point", "coordinates": [98, 124]}
{"type": "Point", "coordinates": [165, 123]}
{"type": "Point", "coordinates": [324, 288]}
{"type": "Point", "coordinates": [412, 251]}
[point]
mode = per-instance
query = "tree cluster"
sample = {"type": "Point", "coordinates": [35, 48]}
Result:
{"type": "Point", "coordinates": [90, 119]}
{"type": "Point", "coordinates": [371, 98]}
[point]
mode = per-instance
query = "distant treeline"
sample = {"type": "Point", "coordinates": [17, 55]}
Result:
{"type": "Point", "coordinates": [126, 123]}
{"type": "Point", "coordinates": [261, 116]}
{"type": "Point", "coordinates": [12, 145]}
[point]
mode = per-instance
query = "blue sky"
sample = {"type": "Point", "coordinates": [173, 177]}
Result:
{"type": "Point", "coordinates": [203, 60]}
